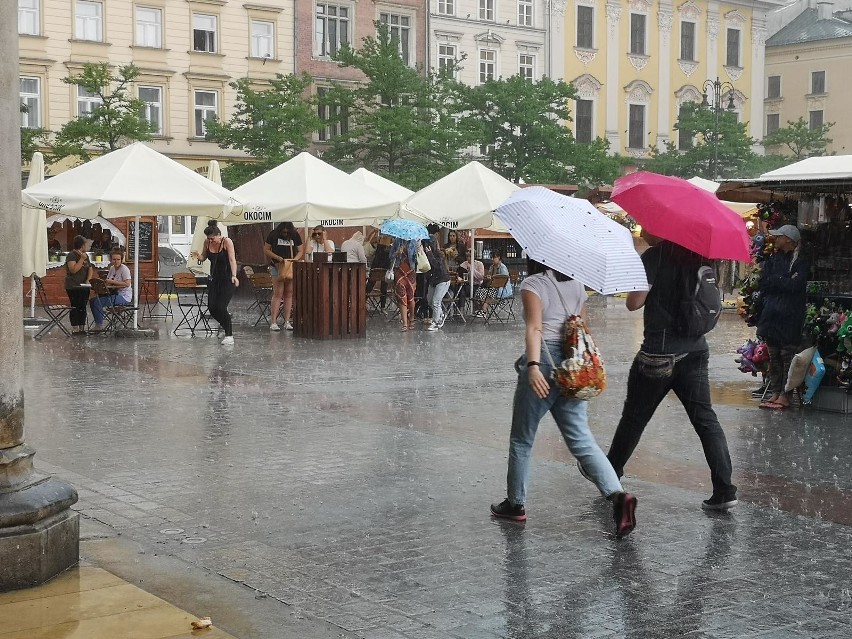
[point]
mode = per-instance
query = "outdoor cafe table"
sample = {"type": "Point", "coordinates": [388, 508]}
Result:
{"type": "Point", "coordinates": [153, 289]}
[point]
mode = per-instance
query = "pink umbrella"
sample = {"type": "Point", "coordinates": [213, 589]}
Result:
{"type": "Point", "coordinates": [675, 210]}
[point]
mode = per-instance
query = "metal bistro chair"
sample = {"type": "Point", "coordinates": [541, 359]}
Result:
{"type": "Point", "coordinates": [248, 271]}
{"type": "Point", "coordinates": [190, 299]}
{"type": "Point", "coordinates": [117, 315]}
{"type": "Point", "coordinates": [453, 302]}
{"type": "Point", "coordinates": [55, 312]}
{"type": "Point", "coordinates": [499, 308]}
{"type": "Point", "coordinates": [261, 284]}
{"type": "Point", "coordinates": [374, 297]}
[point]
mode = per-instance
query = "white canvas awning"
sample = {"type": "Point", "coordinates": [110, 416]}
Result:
{"type": "Point", "coordinates": [829, 167]}
{"type": "Point", "coordinates": [306, 190]}
{"type": "Point", "coordinates": [464, 199]}
{"type": "Point", "coordinates": [132, 181]}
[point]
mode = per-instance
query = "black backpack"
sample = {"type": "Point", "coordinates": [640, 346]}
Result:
{"type": "Point", "coordinates": [701, 304]}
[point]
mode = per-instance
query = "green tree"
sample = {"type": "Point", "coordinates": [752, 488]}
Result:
{"type": "Point", "coordinates": [521, 123]}
{"type": "Point", "coordinates": [115, 120]}
{"type": "Point", "coordinates": [800, 139]}
{"type": "Point", "coordinates": [720, 146]}
{"type": "Point", "coordinates": [397, 122]}
{"type": "Point", "coordinates": [270, 124]}
{"type": "Point", "coordinates": [32, 139]}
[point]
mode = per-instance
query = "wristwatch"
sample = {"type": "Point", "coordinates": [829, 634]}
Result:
{"type": "Point", "coordinates": [530, 364]}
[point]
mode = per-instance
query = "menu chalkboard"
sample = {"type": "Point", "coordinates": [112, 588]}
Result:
{"type": "Point", "coordinates": [146, 245]}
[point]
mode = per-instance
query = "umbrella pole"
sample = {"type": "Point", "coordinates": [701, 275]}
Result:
{"type": "Point", "coordinates": [471, 256]}
{"type": "Point", "coordinates": [136, 275]}
{"type": "Point", "coordinates": [32, 296]}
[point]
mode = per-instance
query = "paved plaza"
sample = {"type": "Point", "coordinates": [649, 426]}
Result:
{"type": "Point", "coordinates": [342, 489]}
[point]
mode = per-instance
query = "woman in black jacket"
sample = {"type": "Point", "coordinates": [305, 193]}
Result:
{"type": "Point", "coordinates": [783, 289]}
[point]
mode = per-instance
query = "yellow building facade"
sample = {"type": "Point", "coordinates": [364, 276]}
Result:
{"type": "Point", "coordinates": [187, 51]}
{"type": "Point", "coordinates": [635, 62]}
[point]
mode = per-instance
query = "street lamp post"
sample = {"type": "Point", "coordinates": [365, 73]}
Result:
{"type": "Point", "coordinates": [717, 89]}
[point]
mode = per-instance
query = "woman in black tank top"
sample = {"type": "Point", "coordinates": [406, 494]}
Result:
{"type": "Point", "coordinates": [223, 277]}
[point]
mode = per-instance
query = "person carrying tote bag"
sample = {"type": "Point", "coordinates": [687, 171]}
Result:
{"type": "Point", "coordinates": [283, 246]}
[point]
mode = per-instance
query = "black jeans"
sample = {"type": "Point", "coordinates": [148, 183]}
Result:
{"type": "Point", "coordinates": [78, 297]}
{"type": "Point", "coordinates": [690, 382]}
{"type": "Point", "coordinates": [218, 297]}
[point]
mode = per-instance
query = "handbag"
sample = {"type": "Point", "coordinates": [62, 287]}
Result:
{"type": "Point", "coordinates": [423, 265]}
{"type": "Point", "coordinates": [285, 270]}
{"type": "Point", "coordinates": [389, 273]}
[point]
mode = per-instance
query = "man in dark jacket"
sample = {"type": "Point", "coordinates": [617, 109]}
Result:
{"type": "Point", "coordinates": [670, 360]}
{"type": "Point", "coordinates": [783, 289]}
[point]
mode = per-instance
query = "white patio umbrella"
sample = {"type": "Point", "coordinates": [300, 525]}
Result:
{"type": "Point", "coordinates": [307, 191]}
{"type": "Point", "coordinates": [34, 233]}
{"type": "Point", "coordinates": [131, 182]}
{"type": "Point", "coordinates": [198, 237]}
{"type": "Point", "coordinates": [382, 184]}
{"type": "Point", "coordinates": [464, 199]}
{"type": "Point", "coordinates": [573, 237]}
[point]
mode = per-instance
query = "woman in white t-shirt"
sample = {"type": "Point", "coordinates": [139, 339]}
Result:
{"type": "Point", "coordinates": [549, 298]}
{"type": "Point", "coordinates": [118, 283]}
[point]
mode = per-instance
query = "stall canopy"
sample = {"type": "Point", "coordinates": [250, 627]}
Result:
{"type": "Point", "coordinates": [831, 173]}
{"type": "Point", "coordinates": [307, 191]}
{"type": "Point", "coordinates": [135, 180]}
{"type": "Point", "coordinates": [464, 199]}
{"type": "Point", "coordinates": [829, 167]}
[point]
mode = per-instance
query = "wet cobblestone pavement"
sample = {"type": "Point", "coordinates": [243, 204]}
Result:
{"type": "Point", "coordinates": [352, 480]}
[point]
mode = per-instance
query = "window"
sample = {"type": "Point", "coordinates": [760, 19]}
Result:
{"type": "Point", "coordinates": [205, 109]}
{"type": "Point", "coordinates": [773, 123]}
{"type": "Point", "coordinates": [773, 86]}
{"type": "Point", "coordinates": [486, 9]}
{"type": "Point", "coordinates": [526, 66]}
{"type": "Point", "coordinates": [815, 119]}
{"type": "Point", "coordinates": [400, 30]}
{"type": "Point", "coordinates": [525, 13]}
{"type": "Point", "coordinates": [87, 101]}
{"type": "Point", "coordinates": [447, 7]}
{"type": "Point", "coordinates": [583, 120]}
{"type": "Point", "coordinates": [149, 27]}
{"type": "Point", "coordinates": [336, 118]}
{"type": "Point", "coordinates": [332, 28]}
{"type": "Point", "coordinates": [687, 41]}
{"type": "Point", "coordinates": [28, 19]}
{"type": "Point", "coordinates": [636, 132]}
{"type": "Point", "coordinates": [818, 82]}
{"type": "Point", "coordinates": [487, 65]}
{"type": "Point", "coordinates": [585, 27]}
{"type": "Point", "coordinates": [31, 99]}
{"type": "Point", "coordinates": [152, 109]}
{"type": "Point", "coordinates": [637, 33]}
{"type": "Point", "coordinates": [262, 39]}
{"type": "Point", "coordinates": [89, 21]}
{"type": "Point", "coordinates": [732, 56]}
{"type": "Point", "coordinates": [203, 33]}
{"type": "Point", "coordinates": [447, 59]}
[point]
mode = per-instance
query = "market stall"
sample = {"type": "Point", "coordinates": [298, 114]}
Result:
{"type": "Point", "coordinates": [813, 195]}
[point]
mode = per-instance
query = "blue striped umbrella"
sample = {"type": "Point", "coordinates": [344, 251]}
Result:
{"type": "Point", "coordinates": [571, 236]}
{"type": "Point", "coordinates": [404, 229]}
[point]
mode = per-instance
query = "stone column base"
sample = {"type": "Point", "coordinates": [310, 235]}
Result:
{"type": "Point", "coordinates": [34, 553]}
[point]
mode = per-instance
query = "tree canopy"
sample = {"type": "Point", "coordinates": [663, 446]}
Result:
{"type": "Point", "coordinates": [114, 120]}
{"type": "Point", "coordinates": [719, 146]}
{"type": "Point", "coordinates": [271, 124]}
{"type": "Point", "coordinates": [799, 140]}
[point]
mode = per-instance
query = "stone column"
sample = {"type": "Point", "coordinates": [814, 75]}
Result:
{"type": "Point", "coordinates": [39, 535]}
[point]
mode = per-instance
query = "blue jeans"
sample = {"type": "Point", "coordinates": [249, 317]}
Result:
{"type": "Point", "coordinates": [691, 384]}
{"type": "Point", "coordinates": [100, 302]}
{"type": "Point", "coordinates": [436, 296]}
{"type": "Point", "coordinates": [572, 421]}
